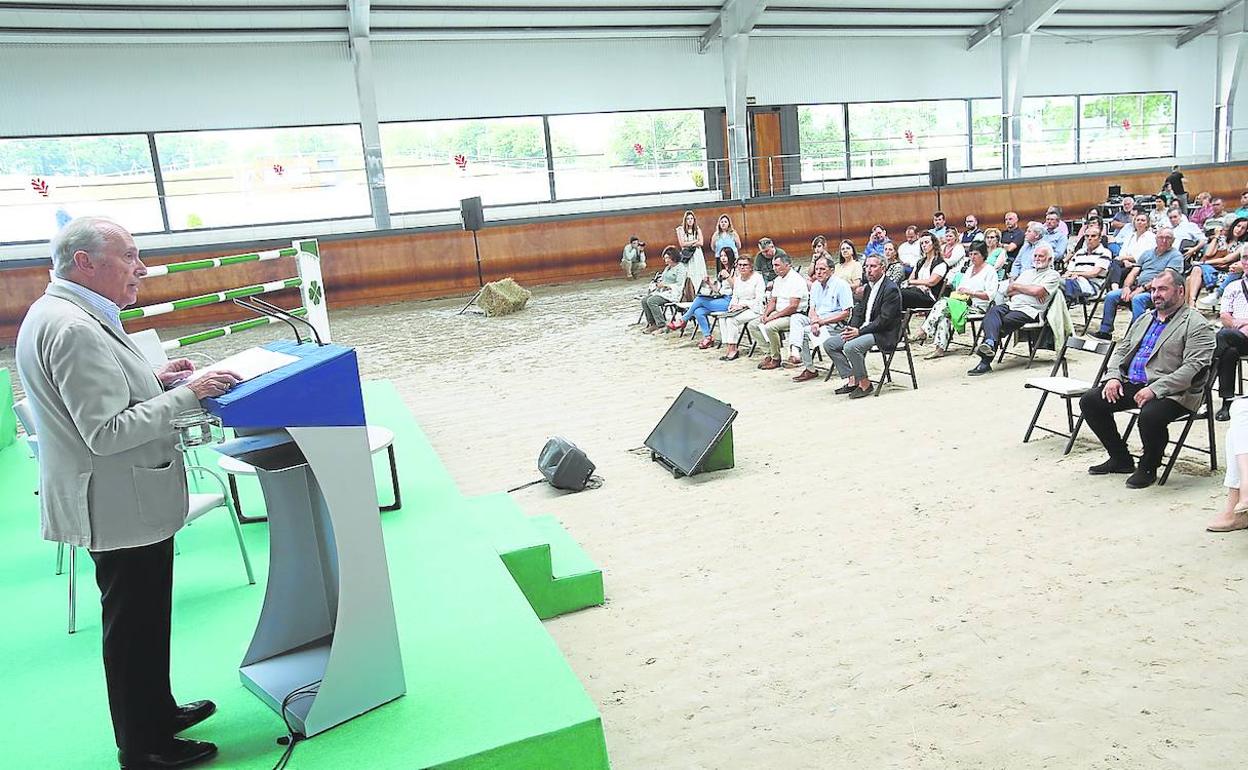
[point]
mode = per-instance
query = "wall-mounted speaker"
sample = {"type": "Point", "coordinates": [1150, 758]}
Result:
{"type": "Point", "coordinates": [938, 172]}
{"type": "Point", "coordinates": [472, 214]}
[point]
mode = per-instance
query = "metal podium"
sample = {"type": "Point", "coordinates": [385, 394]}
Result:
{"type": "Point", "coordinates": [326, 647]}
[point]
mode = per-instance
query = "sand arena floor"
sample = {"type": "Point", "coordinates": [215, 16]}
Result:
{"type": "Point", "coordinates": [890, 582]}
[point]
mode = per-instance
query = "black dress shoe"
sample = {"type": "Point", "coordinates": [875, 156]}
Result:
{"type": "Point", "coordinates": [1142, 478]}
{"type": "Point", "coordinates": [1113, 465]}
{"type": "Point", "coordinates": [983, 367]}
{"type": "Point", "coordinates": [845, 389]}
{"type": "Point", "coordinates": [179, 752]}
{"type": "Point", "coordinates": [1100, 335]}
{"type": "Point", "coordinates": [1224, 413]}
{"type": "Point", "coordinates": [192, 714]}
{"type": "Point", "coordinates": [860, 393]}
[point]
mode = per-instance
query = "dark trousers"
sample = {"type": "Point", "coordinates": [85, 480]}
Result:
{"type": "Point", "coordinates": [136, 594]}
{"type": "Point", "coordinates": [1155, 417]}
{"type": "Point", "coordinates": [1231, 345]}
{"type": "Point", "coordinates": [1000, 321]}
{"type": "Point", "coordinates": [914, 297]}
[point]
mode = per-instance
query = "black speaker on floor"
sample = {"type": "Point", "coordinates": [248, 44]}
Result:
{"type": "Point", "coordinates": [471, 213]}
{"type": "Point", "coordinates": [938, 172]}
{"type": "Point", "coordinates": [564, 465]}
{"type": "Point", "coordinates": [694, 436]}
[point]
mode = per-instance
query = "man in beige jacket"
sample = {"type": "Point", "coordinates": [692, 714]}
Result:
{"type": "Point", "coordinates": [1161, 367]}
{"type": "Point", "coordinates": [110, 478]}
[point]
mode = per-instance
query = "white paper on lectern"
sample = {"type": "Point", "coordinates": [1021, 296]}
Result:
{"type": "Point", "coordinates": [250, 363]}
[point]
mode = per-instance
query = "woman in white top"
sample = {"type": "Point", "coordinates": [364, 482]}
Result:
{"type": "Point", "coordinates": [746, 305]}
{"type": "Point", "coordinates": [977, 288]}
{"type": "Point", "coordinates": [928, 278]}
{"type": "Point", "coordinates": [689, 236]}
{"type": "Point", "coordinates": [952, 250]}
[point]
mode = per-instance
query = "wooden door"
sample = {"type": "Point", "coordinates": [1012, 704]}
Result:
{"type": "Point", "coordinates": [768, 163]}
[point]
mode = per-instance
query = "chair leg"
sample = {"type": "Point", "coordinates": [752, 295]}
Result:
{"type": "Point", "coordinates": [1213, 442]}
{"type": "Point", "coordinates": [1035, 417]}
{"type": "Point", "coordinates": [1070, 443]}
{"type": "Point", "coordinates": [242, 544]}
{"type": "Point", "coordinates": [394, 482]}
{"type": "Point", "coordinates": [73, 592]}
{"type": "Point", "coordinates": [1033, 345]}
{"type": "Point", "coordinates": [1174, 455]}
{"type": "Point", "coordinates": [914, 377]}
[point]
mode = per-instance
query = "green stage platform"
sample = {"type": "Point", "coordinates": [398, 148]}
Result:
{"type": "Point", "coordinates": [486, 685]}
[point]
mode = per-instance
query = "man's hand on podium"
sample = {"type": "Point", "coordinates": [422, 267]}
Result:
{"type": "Point", "coordinates": [213, 384]}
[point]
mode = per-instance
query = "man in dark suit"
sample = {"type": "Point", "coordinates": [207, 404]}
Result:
{"type": "Point", "coordinates": [876, 320]}
{"type": "Point", "coordinates": [111, 479]}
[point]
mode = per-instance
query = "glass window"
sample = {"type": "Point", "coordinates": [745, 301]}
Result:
{"type": "Point", "coordinates": [255, 176]}
{"type": "Point", "coordinates": [46, 182]}
{"type": "Point", "coordinates": [623, 153]}
{"type": "Point", "coordinates": [986, 138]}
{"type": "Point", "coordinates": [1122, 126]}
{"type": "Point", "coordinates": [821, 137]}
{"type": "Point", "coordinates": [1048, 130]}
{"type": "Point", "coordinates": [893, 138]}
{"type": "Point", "coordinates": [432, 165]}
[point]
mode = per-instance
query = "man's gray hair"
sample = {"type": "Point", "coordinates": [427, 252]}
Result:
{"type": "Point", "coordinates": [1043, 247]}
{"type": "Point", "coordinates": [81, 234]}
{"type": "Point", "coordinates": [1038, 228]}
{"type": "Point", "coordinates": [784, 257]}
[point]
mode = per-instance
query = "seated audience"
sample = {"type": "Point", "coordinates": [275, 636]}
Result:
{"type": "Point", "coordinates": [668, 287]}
{"type": "Point", "coordinates": [908, 252]}
{"type": "Point", "coordinates": [1188, 238]}
{"type": "Point", "coordinates": [1160, 368]}
{"type": "Point", "coordinates": [1093, 219]}
{"type": "Point", "coordinates": [1123, 218]}
{"type": "Point", "coordinates": [1011, 238]}
{"type": "Point", "coordinates": [818, 248]}
{"type": "Point", "coordinates": [938, 226]}
{"type": "Point", "coordinates": [1138, 283]}
{"type": "Point", "coordinates": [1136, 240]}
{"type": "Point", "coordinates": [875, 243]}
{"type": "Point", "coordinates": [928, 278]}
{"type": "Point", "coordinates": [876, 321]}
{"type": "Point", "coordinates": [788, 292]}
{"type": "Point", "coordinates": [848, 266]}
{"type": "Point", "coordinates": [1032, 237]}
{"type": "Point", "coordinates": [1242, 211]}
{"type": "Point", "coordinates": [1223, 251]}
{"type": "Point", "coordinates": [748, 292]}
{"type": "Point", "coordinates": [831, 301]}
{"type": "Point", "coordinates": [766, 257]}
{"type": "Point", "coordinates": [1234, 515]}
{"type": "Point", "coordinates": [633, 261]}
{"type": "Point", "coordinates": [1204, 209]}
{"type": "Point", "coordinates": [1232, 342]}
{"type": "Point", "coordinates": [1026, 296]}
{"type": "Point", "coordinates": [976, 290]}
{"type": "Point", "coordinates": [1055, 231]}
{"type": "Point", "coordinates": [714, 296]}
{"type": "Point", "coordinates": [1220, 214]}
{"type": "Point", "coordinates": [1087, 269]}
{"type": "Point", "coordinates": [1157, 218]}
{"type": "Point", "coordinates": [972, 231]}
{"type": "Point", "coordinates": [894, 269]}
{"type": "Point", "coordinates": [951, 250]}
{"type": "Point", "coordinates": [997, 253]}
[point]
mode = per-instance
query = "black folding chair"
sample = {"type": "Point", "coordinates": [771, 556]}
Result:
{"type": "Point", "coordinates": [1066, 387]}
{"type": "Point", "coordinates": [1203, 412]}
{"type": "Point", "coordinates": [1032, 332]}
{"type": "Point", "coordinates": [888, 357]}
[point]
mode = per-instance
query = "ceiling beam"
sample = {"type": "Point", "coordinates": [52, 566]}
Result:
{"type": "Point", "coordinates": [1208, 25]}
{"type": "Point", "coordinates": [1022, 17]}
{"type": "Point", "coordinates": [736, 17]}
{"type": "Point", "coordinates": [359, 21]}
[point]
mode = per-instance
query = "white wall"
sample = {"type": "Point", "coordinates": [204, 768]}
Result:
{"type": "Point", "coordinates": [91, 89]}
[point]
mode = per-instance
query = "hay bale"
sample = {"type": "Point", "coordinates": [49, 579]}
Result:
{"type": "Point", "coordinates": [503, 297]}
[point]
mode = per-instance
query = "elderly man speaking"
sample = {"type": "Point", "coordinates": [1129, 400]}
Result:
{"type": "Point", "coordinates": [111, 479]}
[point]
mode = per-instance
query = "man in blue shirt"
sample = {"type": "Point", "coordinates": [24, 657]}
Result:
{"type": "Point", "coordinates": [938, 226]}
{"type": "Point", "coordinates": [831, 301]}
{"type": "Point", "coordinates": [1055, 234]}
{"type": "Point", "coordinates": [1135, 289]}
{"type": "Point", "coordinates": [875, 243]}
{"type": "Point", "coordinates": [1160, 367]}
{"type": "Point", "coordinates": [1025, 261]}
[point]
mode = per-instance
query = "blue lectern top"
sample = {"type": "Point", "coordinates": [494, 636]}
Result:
{"type": "Point", "coordinates": [322, 388]}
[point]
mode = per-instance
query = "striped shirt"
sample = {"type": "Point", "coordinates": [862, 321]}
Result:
{"type": "Point", "coordinates": [1155, 328]}
{"type": "Point", "coordinates": [104, 305]}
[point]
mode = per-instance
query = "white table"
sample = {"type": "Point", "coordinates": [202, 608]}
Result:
{"type": "Point", "coordinates": [379, 438]}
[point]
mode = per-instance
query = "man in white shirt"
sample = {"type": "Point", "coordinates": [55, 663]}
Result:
{"type": "Point", "coordinates": [1087, 268]}
{"type": "Point", "coordinates": [788, 292]}
{"type": "Point", "coordinates": [1026, 297]}
{"type": "Point", "coordinates": [1188, 237]}
{"type": "Point", "coordinates": [1232, 342]}
{"type": "Point", "coordinates": [908, 252]}
{"type": "Point", "coordinates": [831, 301]}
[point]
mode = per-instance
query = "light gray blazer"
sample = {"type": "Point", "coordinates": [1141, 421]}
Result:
{"type": "Point", "coordinates": [109, 474]}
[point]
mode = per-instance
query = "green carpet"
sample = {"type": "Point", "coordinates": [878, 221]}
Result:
{"type": "Point", "coordinates": [486, 685]}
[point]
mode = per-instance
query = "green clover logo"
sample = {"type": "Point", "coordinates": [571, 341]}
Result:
{"type": "Point", "coordinates": [315, 293]}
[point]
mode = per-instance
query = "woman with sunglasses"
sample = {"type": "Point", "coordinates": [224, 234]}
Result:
{"type": "Point", "coordinates": [748, 289]}
{"type": "Point", "coordinates": [714, 297]}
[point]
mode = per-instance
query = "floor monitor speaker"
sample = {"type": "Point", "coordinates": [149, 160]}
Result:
{"type": "Point", "coordinates": [564, 465]}
{"type": "Point", "coordinates": [472, 214]}
{"type": "Point", "coordinates": [938, 172]}
{"type": "Point", "coordinates": [694, 436]}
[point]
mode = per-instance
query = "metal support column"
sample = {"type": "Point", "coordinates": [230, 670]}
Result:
{"type": "Point", "coordinates": [366, 95]}
{"type": "Point", "coordinates": [736, 56]}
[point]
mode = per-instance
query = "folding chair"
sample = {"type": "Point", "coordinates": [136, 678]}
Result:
{"type": "Point", "coordinates": [1033, 332]}
{"type": "Point", "coordinates": [1203, 412]}
{"type": "Point", "coordinates": [903, 346]}
{"type": "Point", "coordinates": [745, 332]}
{"type": "Point", "coordinates": [1092, 305]}
{"type": "Point", "coordinates": [1066, 387]}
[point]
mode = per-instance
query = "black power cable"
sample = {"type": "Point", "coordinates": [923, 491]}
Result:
{"type": "Point", "coordinates": [292, 736]}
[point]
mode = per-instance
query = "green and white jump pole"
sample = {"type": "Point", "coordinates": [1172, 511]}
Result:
{"type": "Point", "coordinates": [309, 282]}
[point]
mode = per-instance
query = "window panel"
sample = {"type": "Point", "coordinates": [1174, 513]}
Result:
{"type": "Point", "coordinates": [1123, 126]}
{"type": "Point", "coordinates": [821, 139]}
{"type": "Point", "coordinates": [623, 153]}
{"type": "Point", "coordinates": [256, 176]}
{"type": "Point", "coordinates": [432, 165]}
{"type": "Point", "coordinates": [45, 182]}
{"type": "Point", "coordinates": [1048, 130]}
{"type": "Point", "coordinates": [894, 138]}
{"type": "Point", "coordinates": [986, 141]}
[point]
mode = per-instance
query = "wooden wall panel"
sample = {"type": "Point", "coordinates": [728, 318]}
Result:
{"type": "Point", "coordinates": [440, 263]}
